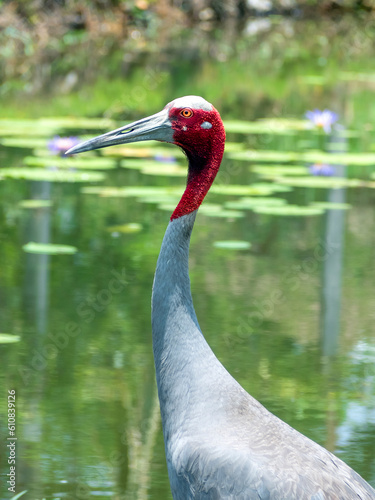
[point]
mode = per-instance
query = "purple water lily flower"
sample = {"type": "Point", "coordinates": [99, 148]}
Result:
{"type": "Point", "coordinates": [58, 145]}
{"type": "Point", "coordinates": [322, 119]}
{"type": "Point", "coordinates": [165, 158]}
{"type": "Point", "coordinates": [321, 169]}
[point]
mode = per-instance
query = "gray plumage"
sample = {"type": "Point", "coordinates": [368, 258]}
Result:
{"type": "Point", "coordinates": [220, 442]}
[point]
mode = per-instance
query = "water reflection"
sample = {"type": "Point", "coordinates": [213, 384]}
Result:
{"type": "Point", "coordinates": [36, 284]}
{"type": "Point", "coordinates": [333, 261]}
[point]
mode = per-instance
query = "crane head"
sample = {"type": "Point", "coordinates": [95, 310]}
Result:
{"type": "Point", "coordinates": [189, 122]}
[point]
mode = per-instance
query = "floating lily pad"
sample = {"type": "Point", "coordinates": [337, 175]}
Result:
{"type": "Point", "coordinates": [130, 191]}
{"type": "Point", "coordinates": [266, 126]}
{"type": "Point", "coordinates": [307, 156]}
{"type": "Point", "coordinates": [92, 162]}
{"type": "Point", "coordinates": [35, 203]}
{"type": "Point", "coordinates": [48, 248]}
{"type": "Point", "coordinates": [241, 126]}
{"type": "Point", "coordinates": [146, 149]}
{"type": "Point", "coordinates": [339, 158]}
{"type": "Point", "coordinates": [276, 187]}
{"type": "Point", "coordinates": [159, 198]}
{"type": "Point", "coordinates": [232, 245]}
{"type": "Point", "coordinates": [331, 206]}
{"type": "Point", "coordinates": [250, 203]}
{"type": "Point", "coordinates": [7, 338]}
{"type": "Point", "coordinates": [141, 163]}
{"type": "Point", "coordinates": [170, 170]}
{"type": "Point", "coordinates": [322, 182]}
{"type": "Point", "coordinates": [264, 155]}
{"type": "Point", "coordinates": [43, 174]}
{"type": "Point", "coordinates": [276, 170]}
{"type": "Point", "coordinates": [233, 146]}
{"type": "Point", "coordinates": [24, 142]}
{"type": "Point", "coordinates": [131, 227]}
{"type": "Point", "coordinates": [221, 212]}
{"type": "Point", "coordinates": [289, 210]}
{"type": "Point", "coordinates": [240, 190]}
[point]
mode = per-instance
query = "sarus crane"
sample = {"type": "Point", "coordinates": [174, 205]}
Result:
{"type": "Point", "coordinates": [220, 442]}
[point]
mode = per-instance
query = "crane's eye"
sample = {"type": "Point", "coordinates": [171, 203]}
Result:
{"type": "Point", "coordinates": [186, 112]}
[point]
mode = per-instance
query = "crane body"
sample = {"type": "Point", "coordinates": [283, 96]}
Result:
{"type": "Point", "coordinates": [220, 442]}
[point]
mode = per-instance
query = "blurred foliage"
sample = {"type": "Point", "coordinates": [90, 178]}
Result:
{"type": "Point", "coordinates": [44, 43]}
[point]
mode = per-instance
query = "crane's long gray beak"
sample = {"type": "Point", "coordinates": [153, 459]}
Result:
{"type": "Point", "coordinates": [156, 127]}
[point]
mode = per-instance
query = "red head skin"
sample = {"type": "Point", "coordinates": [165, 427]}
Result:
{"type": "Point", "coordinates": [204, 148]}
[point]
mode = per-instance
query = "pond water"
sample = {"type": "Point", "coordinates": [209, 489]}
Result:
{"type": "Point", "coordinates": [282, 272]}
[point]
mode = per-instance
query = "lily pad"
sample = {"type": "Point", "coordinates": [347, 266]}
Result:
{"type": "Point", "coordinates": [7, 338]}
{"type": "Point", "coordinates": [24, 142]}
{"type": "Point", "coordinates": [289, 210]}
{"type": "Point", "coordinates": [233, 146]}
{"type": "Point", "coordinates": [43, 174]}
{"type": "Point", "coordinates": [264, 155]}
{"type": "Point", "coordinates": [266, 126]}
{"type": "Point", "coordinates": [250, 203]}
{"type": "Point", "coordinates": [276, 187]}
{"type": "Point", "coordinates": [170, 170]}
{"type": "Point", "coordinates": [355, 159]}
{"type": "Point", "coordinates": [276, 170]}
{"type": "Point", "coordinates": [35, 203]}
{"type": "Point", "coordinates": [92, 162]}
{"type": "Point", "coordinates": [141, 163]}
{"type": "Point", "coordinates": [232, 245]}
{"type": "Point", "coordinates": [223, 213]}
{"type": "Point", "coordinates": [131, 227]}
{"type": "Point", "coordinates": [131, 191]}
{"type": "Point", "coordinates": [146, 149]}
{"type": "Point", "coordinates": [322, 182]}
{"type": "Point", "coordinates": [48, 248]}
{"type": "Point", "coordinates": [314, 156]}
{"type": "Point", "coordinates": [159, 198]}
{"type": "Point", "coordinates": [240, 190]}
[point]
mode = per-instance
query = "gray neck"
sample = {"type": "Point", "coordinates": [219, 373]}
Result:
{"type": "Point", "coordinates": [182, 355]}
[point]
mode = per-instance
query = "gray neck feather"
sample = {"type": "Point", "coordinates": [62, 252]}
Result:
{"type": "Point", "coordinates": [183, 359]}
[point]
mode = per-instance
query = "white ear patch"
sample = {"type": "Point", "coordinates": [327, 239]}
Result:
{"type": "Point", "coordinates": [206, 125]}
